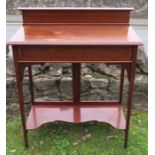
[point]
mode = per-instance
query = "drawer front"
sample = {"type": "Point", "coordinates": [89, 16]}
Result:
{"type": "Point", "coordinates": [75, 53]}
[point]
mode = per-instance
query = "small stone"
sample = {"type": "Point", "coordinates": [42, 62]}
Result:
{"type": "Point", "coordinates": [83, 65]}
{"type": "Point", "coordinates": [88, 135]}
{"type": "Point", "coordinates": [12, 151]}
{"type": "Point", "coordinates": [139, 121]}
{"type": "Point", "coordinates": [98, 83]}
{"type": "Point", "coordinates": [111, 137]}
{"type": "Point", "coordinates": [77, 142]}
{"type": "Point", "coordinates": [44, 83]}
{"type": "Point", "coordinates": [46, 88]}
{"type": "Point", "coordinates": [10, 80]}
{"type": "Point", "coordinates": [86, 70]}
{"type": "Point", "coordinates": [139, 78]}
{"type": "Point", "coordinates": [41, 142]}
{"type": "Point", "coordinates": [112, 70]}
{"type": "Point", "coordinates": [55, 72]}
{"type": "Point", "coordinates": [88, 76]}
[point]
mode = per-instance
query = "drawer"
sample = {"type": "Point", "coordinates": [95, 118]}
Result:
{"type": "Point", "coordinates": [75, 53]}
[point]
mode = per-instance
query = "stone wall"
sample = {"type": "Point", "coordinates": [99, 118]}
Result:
{"type": "Point", "coordinates": [141, 6]}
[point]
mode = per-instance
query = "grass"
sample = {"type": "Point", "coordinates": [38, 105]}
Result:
{"type": "Point", "coordinates": [84, 139]}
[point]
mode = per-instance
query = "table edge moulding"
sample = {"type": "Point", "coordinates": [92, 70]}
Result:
{"type": "Point", "coordinates": [100, 35]}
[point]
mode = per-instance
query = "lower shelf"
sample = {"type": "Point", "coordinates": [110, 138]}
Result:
{"type": "Point", "coordinates": [41, 114]}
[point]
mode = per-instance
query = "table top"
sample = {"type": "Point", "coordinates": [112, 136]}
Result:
{"type": "Point", "coordinates": [75, 8]}
{"type": "Point", "coordinates": [75, 34]}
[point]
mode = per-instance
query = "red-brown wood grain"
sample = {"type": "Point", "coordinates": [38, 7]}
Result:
{"type": "Point", "coordinates": [75, 34]}
{"type": "Point", "coordinates": [76, 15]}
{"type": "Point", "coordinates": [74, 53]}
{"type": "Point", "coordinates": [41, 114]}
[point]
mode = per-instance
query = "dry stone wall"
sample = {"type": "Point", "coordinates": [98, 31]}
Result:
{"type": "Point", "coordinates": [141, 6]}
{"type": "Point", "coordinates": [54, 82]}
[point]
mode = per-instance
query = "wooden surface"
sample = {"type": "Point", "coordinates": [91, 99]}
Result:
{"type": "Point", "coordinates": [73, 8]}
{"type": "Point", "coordinates": [76, 15]}
{"type": "Point", "coordinates": [41, 114]}
{"type": "Point", "coordinates": [75, 34]}
{"type": "Point", "coordinates": [74, 54]}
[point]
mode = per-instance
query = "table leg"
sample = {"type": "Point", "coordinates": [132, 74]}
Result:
{"type": "Point", "coordinates": [130, 93]}
{"type": "Point", "coordinates": [76, 81]}
{"type": "Point", "coordinates": [31, 83]}
{"type": "Point", "coordinates": [21, 101]}
{"type": "Point", "coordinates": [121, 83]}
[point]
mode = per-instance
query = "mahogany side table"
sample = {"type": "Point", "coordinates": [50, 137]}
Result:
{"type": "Point", "coordinates": [75, 35]}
